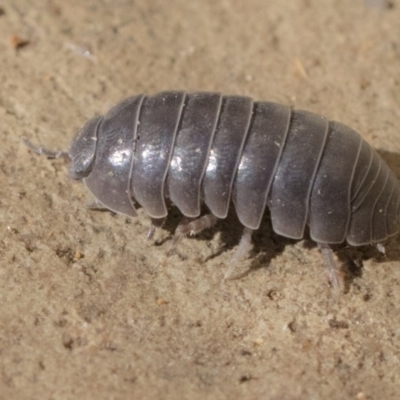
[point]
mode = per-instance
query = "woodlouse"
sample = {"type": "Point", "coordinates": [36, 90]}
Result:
{"type": "Point", "coordinates": [206, 148]}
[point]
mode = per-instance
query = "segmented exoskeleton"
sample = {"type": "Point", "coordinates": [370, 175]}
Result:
{"type": "Point", "coordinates": [208, 149]}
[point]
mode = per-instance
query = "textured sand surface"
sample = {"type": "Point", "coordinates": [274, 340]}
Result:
{"type": "Point", "coordinates": [87, 310]}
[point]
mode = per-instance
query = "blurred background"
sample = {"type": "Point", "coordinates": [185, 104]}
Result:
{"type": "Point", "coordinates": [89, 309]}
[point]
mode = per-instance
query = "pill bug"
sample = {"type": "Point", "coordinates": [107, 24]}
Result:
{"type": "Point", "coordinates": [204, 148]}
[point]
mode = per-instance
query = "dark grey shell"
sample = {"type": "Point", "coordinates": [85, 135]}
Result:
{"type": "Point", "coordinates": [205, 148]}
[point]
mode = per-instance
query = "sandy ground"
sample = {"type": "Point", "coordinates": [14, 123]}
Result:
{"type": "Point", "coordinates": [88, 308]}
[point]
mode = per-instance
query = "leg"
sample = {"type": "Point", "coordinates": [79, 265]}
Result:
{"type": "Point", "coordinates": [155, 223]}
{"type": "Point", "coordinates": [234, 271]}
{"type": "Point", "coordinates": [244, 246]}
{"type": "Point", "coordinates": [45, 152]}
{"type": "Point", "coordinates": [191, 227]}
{"type": "Point", "coordinates": [381, 248]}
{"type": "Point", "coordinates": [335, 275]}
